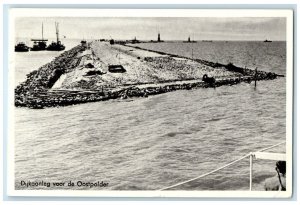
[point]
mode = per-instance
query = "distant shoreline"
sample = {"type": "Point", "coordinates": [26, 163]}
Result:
{"type": "Point", "coordinates": [154, 41]}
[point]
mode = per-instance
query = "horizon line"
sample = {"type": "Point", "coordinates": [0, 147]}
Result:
{"type": "Point", "coordinates": [155, 40]}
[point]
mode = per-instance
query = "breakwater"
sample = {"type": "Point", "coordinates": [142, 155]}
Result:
{"type": "Point", "coordinates": [261, 75]}
{"type": "Point", "coordinates": [42, 79]}
{"type": "Point", "coordinates": [69, 97]}
{"type": "Point", "coordinates": [36, 91]}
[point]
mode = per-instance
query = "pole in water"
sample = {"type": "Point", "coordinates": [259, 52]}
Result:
{"type": "Point", "coordinates": [119, 55]}
{"type": "Point", "coordinates": [251, 172]}
{"type": "Point", "coordinates": [255, 76]}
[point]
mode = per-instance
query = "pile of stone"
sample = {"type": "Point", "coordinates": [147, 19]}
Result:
{"type": "Point", "coordinates": [260, 75]}
{"type": "Point", "coordinates": [44, 78]}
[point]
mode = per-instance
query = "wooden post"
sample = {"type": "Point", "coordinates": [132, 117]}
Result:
{"type": "Point", "coordinates": [251, 170]}
{"type": "Point", "coordinates": [255, 76]}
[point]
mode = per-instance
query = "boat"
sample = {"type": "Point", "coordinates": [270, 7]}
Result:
{"type": "Point", "coordinates": [207, 41]}
{"type": "Point", "coordinates": [21, 47]}
{"type": "Point", "coordinates": [267, 41]}
{"type": "Point", "coordinates": [189, 41]}
{"type": "Point", "coordinates": [56, 46]}
{"type": "Point", "coordinates": [39, 44]}
{"type": "Point", "coordinates": [133, 41]}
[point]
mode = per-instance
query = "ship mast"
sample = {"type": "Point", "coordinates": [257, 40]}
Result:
{"type": "Point", "coordinates": [193, 48]}
{"type": "Point", "coordinates": [42, 31]}
{"type": "Point", "coordinates": [57, 32]}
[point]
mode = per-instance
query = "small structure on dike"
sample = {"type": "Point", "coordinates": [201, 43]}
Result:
{"type": "Point", "coordinates": [116, 69]}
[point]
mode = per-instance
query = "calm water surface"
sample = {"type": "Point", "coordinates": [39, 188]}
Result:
{"type": "Point", "coordinates": [150, 143]}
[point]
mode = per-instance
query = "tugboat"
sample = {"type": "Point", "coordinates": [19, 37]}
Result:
{"type": "Point", "coordinates": [21, 47]}
{"type": "Point", "coordinates": [39, 44]}
{"type": "Point", "coordinates": [56, 46]}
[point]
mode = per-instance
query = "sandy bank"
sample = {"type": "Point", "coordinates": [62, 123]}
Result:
{"type": "Point", "coordinates": [141, 67]}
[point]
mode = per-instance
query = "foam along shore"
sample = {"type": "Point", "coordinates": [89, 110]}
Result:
{"type": "Point", "coordinates": [104, 71]}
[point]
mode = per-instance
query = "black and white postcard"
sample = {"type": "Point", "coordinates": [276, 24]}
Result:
{"type": "Point", "coordinates": [150, 103]}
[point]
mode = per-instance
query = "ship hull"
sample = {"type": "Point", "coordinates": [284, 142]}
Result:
{"type": "Point", "coordinates": [21, 50]}
{"type": "Point", "coordinates": [21, 47]}
{"type": "Point", "coordinates": [56, 48]}
{"type": "Point", "coordinates": [37, 49]}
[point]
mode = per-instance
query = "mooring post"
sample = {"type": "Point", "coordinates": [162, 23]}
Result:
{"type": "Point", "coordinates": [255, 76]}
{"type": "Point", "coordinates": [251, 170]}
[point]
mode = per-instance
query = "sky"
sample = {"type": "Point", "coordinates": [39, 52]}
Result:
{"type": "Point", "coordinates": [146, 28]}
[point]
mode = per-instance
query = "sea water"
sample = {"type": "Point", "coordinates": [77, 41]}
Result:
{"type": "Point", "coordinates": [150, 143]}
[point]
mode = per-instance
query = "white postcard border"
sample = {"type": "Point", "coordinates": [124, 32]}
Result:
{"type": "Point", "coordinates": [43, 12]}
